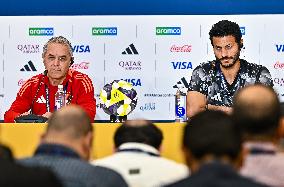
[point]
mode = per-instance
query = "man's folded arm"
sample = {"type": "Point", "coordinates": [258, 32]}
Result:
{"type": "Point", "coordinates": [195, 103]}
{"type": "Point", "coordinates": [18, 107]}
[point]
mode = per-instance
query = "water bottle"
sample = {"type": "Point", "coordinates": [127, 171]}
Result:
{"type": "Point", "coordinates": [180, 106]}
{"type": "Point", "coordinates": [60, 98]}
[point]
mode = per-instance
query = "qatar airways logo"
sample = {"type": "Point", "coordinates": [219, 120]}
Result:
{"type": "Point", "coordinates": [148, 107]}
{"type": "Point", "coordinates": [182, 48]}
{"type": "Point", "coordinates": [278, 65]}
{"type": "Point", "coordinates": [21, 82]}
{"type": "Point", "coordinates": [28, 48]}
{"type": "Point", "coordinates": [82, 65]}
{"type": "Point", "coordinates": [278, 81]}
{"type": "Point", "coordinates": [130, 65]}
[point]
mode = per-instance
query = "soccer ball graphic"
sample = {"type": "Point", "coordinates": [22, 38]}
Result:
{"type": "Point", "coordinates": [118, 98]}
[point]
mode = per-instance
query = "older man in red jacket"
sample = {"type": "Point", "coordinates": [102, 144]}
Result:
{"type": "Point", "coordinates": [37, 95]}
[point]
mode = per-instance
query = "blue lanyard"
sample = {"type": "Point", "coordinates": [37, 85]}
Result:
{"type": "Point", "coordinates": [47, 99]}
{"type": "Point", "coordinates": [223, 80]}
{"type": "Point", "coordinates": [138, 151]}
{"type": "Point", "coordinates": [258, 151]}
{"type": "Point", "coordinates": [56, 149]}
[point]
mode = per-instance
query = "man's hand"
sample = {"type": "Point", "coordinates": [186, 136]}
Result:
{"type": "Point", "coordinates": [25, 113]}
{"type": "Point", "coordinates": [47, 114]}
{"type": "Point", "coordinates": [195, 103]}
{"type": "Point", "coordinates": [225, 109]}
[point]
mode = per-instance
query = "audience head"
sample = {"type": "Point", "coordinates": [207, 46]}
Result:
{"type": "Point", "coordinates": [138, 131]}
{"type": "Point", "coordinates": [211, 135]}
{"type": "Point", "coordinates": [256, 110]}
{"type": "Point", "coordinates": [6, 153]}
{"type": "Point", "coordinates": [71, 127]}
{"type": "Point", "coordinates": [281, 126]}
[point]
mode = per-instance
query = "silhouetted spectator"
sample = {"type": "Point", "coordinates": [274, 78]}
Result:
{"type": "Point", "coordinates": [256, 111]}
{"type": "Point", "coordinates": [6, 153]}
{"type": "Point", "coordinates": [15, 175]}
{"type": "Point", "coordinates": [212, 147]}
{"type": "Point", "coordinates": [281, 128]}
{"type": "Point", "coordinates": [66, 147]}
{"type": "Point", "coordinates": [137, 156]}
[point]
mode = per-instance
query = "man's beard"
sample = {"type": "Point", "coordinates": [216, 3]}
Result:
{"type": "Point", "coordinates": [235, 58]}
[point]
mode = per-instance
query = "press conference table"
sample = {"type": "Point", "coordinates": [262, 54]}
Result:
{"type": "Point", "coordinates": [23, 138]}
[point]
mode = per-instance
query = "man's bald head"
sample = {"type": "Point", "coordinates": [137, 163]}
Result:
{"type": "Point", "coordinates": [256, 109]}
{"type": "Point", "coordinates": [71, 120]}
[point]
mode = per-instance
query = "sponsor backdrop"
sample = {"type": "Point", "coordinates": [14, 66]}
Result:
{"type": "Point", "coordinates": [154, 53]}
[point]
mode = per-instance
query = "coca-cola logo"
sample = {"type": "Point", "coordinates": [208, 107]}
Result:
{"type": "Point", "coordinates": [278, 65]}
{"type": "Point", "coordinates": [183, 49]}
{"type": "Point", "coordinates": [82, 65]}
{"type": "Point", "coordinates": [21, 82]}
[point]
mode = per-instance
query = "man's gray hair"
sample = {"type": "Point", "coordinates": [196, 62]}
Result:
{"type": "Point", "coordinates": [58, 40]}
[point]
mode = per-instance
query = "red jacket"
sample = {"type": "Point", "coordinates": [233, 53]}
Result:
{"type": "Point", "coordinates": [79, 89]}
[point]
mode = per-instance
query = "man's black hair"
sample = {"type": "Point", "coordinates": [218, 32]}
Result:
{"type": "Point", "coordinates": [226, 28]}
{"type": "Point", "coordinates": [212, 133]}
{"type": "Point", "coordinates": [147, 133]}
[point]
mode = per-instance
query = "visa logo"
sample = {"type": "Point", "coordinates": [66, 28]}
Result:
{"type": "Point", "coordinates": [243, 30]}
{"type": "Point", "coordinates": [41, 31]}
{"type": "Point", "coordinates": [182, 65]}
{"type": "Point", "coordinates": [134, 82]}
{"type": "Point", "coordinates": [100, 31]}
{"type": "Point", "coordinates": [168, 30]}
{"type": "Point", "coordinates": [280, 48]}
{"type": "Point", "coordinates": [81, 49]}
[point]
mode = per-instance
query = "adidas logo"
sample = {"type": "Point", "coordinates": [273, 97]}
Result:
{"type": "Point", "coordinates": [41, 99]}
{"type": "Point", "coordinates": [130, 50]}
{"type": "Point", "coordinates": [29, 67]}
{"type": "Point", "coordinates": [180, 83]}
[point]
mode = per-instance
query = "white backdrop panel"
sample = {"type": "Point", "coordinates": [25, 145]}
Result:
{"type": "Point", "coordinates": [272, 51]}
{"type": "Point", "coordinates": [129, 48]}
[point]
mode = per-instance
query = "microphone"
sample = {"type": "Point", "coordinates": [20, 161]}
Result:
{"type": "Point", "coordinates": [39, 86]}
{"type": "Point", "coordinates": [45, 72]}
